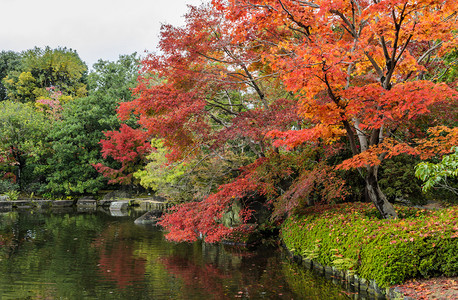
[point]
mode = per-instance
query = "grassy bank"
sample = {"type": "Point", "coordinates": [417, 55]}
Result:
{"type": "Point", "coordinates": [421, 243]}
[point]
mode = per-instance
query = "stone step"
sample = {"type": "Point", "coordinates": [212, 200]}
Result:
{"type": "Point", "coordinates": [22, 203]}
{"type": "Point", "coordinates": [119, 205]}
{"type": "Point", "coordinates": [105, 203]}
{"type": "Point", "coordinates": [43, 203]}
{"type": "Point", "coordinates": [154, 205]}
{"type": "Point", "coordinates": [86, 209]}
{"type": "Point", "coordinates": [151, 217]}
{"type": "Point", "coordinates": [86, 203]}
{"type": "Point", "coordinates": [62, 203]}
{"type": "Point", "coordinates": [119, 213]}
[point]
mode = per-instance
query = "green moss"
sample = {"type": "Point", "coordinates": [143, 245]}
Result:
{"type": "Point", "coordinates": [419, 244]}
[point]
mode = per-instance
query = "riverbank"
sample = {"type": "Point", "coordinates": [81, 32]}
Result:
{"type": "Point", "coordinates": [350, 239]}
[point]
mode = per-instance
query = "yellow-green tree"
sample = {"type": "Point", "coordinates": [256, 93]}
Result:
{"type": "Point", "coordinates": [40, 69]}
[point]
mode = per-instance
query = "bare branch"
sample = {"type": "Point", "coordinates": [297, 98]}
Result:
{"type": "Point", "coordinates": [385, 48]}
{"type": "Point", "coordinates": [429, 51]}
{"type": "Point", "coordinates": [214, 59]}
{"type": "Point", "coordinates": [260, 6]}
{"type": "Point", "coordinates": [305, 3]}
{"type": "Point", "coordinates": [403, 49]}
{"type": "Point", "coordinates": [446, 70]}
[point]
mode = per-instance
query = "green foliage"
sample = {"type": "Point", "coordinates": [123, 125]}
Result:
{"type": "Point", "coordinates": [20, 125]}
{"type": "Point", "coordinates": [419, 244]}
{"type": "Point", "coordinates": [75, 138]}
{"type": "Point", "coordinates": [184, 181]}
{"type": "Point", "coordinates": [449, 71]}
{"type": "Point", "coordinates": [397, 179]}
{"type": "Point", "coordinates": [157, 175]}
{"type": "Point", "coordinates": [114, 79]}
{"type": "Point", "coordinates": [12, 194]}
{"type": "Point", "coordinates": [7, 185]}
{"type": "Point", "coordinates": [39, 69]}
{"type": "Point", "coordinates": [22, 138]}
{"type": "Point", "coordinates": [75, 143]}
{"type": "Point", "coordinates": [9, 62]}
{"type": "Point", "coordinates": [312, 253]}
{"type": "Point", "coordinates": [343, 263]}
{"type": "Point", "coordinates": [441, 174]}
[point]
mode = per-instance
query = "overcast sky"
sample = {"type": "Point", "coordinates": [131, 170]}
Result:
{"type": "Point", "coordinates": [96, 29]}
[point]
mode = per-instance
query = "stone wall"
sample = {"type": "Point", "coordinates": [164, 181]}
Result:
{"type": "Point", "coordinates": [366, 289]}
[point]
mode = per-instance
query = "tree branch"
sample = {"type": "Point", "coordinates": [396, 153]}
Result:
{"type": "Point", "coordinates": [292, 18]}
{"type": "Point", "coordinates": [306, 3]}
{"type": "Point", "coordinates": [374, 64]}
{"type": "Point", "coordinates": [250, 77]}
{"type": "Point", "coordinates": [346, 21]}
{"type": "Point", "coordinates": [429, 51]}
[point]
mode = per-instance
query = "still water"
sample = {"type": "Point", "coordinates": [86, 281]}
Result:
{"type": "Point", "coordinates": [99, 256]}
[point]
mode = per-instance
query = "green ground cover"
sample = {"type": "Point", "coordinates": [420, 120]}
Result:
{"type": "Point", "coordinates": [421, 243]}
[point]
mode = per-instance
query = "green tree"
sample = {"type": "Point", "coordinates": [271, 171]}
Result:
{"type": "Point", "coordinates": [9, 62]}
{"type": "Point", "coordinates": [441, 174]}
{"type": "Point", "coordinates": [114, 79]}
{"type": "Point", "coordinates": [22, 136]}
{"type": "Point", "coordinates": [75, 137]}
{"type": "Point", "coordinates": [166, 180]}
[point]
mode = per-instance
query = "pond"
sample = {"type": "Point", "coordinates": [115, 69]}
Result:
{"type": "Point", "coordinates": [99, 256]}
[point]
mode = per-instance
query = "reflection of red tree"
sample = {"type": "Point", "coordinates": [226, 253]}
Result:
{"type": "Point", "coordinates": [8, 243]}
{"type": "Point", "coordinates": [206, 278]}
{"type": "Point", "coordinates": [255, 275]}
{"type": "Point", "coordinates": [4, 240]}
{"type": "Point", "coordinates": [117, 261]}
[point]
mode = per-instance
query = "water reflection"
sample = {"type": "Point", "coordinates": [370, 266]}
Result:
{"type": "Point", "coordinates": [117, 261]}
{"type": "Point", "coordinates": [98, 256]}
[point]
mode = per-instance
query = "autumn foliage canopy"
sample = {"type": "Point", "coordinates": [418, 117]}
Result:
{"type": "Point", "coordinates": [278, 77]}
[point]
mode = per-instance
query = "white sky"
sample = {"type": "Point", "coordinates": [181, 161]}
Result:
{"type": "Point", "coordinates": [96, 29]}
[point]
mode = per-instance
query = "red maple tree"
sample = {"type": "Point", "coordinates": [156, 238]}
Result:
{"type": "Point", "coordinates": [290, 72]}
{"type": "Point", "coordinates": [129, 147]}
{"type": "Point", "coordinates": [205, 88]}
{"type": "Point", "coordinates": [358, 69]}
{"type": "Point", "coordinates": [205, 93]}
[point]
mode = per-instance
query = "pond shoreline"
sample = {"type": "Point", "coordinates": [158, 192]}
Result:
{"type": "Point", "coordinates": [351, 238]}
{"type": "Point", "coordinates": [352, 283]}
{"type": "Point", "coordinates": [94, 255]}
{"type": "Point", "coordinates": [433, 288]}
{"type": "Point", "coordinates": [84, 203]}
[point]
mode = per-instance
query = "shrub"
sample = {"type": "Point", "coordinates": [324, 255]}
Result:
{"type": "Point", "coordinates": [12, 195]}
{"type": "Point", "coordinates": [420, 243]}
{"type": "Point", "coordinates": [397, 180]}
{"type": "Point", "coordinates": [7, 186]}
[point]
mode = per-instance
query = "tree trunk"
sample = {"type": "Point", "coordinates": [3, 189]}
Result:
{"type": "Point", "coordinates": [19, 173]}
{"type": "Point", "coordinates": [376, 196]}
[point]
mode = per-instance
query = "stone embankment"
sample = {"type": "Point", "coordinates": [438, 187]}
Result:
{"type": "Point", "coordinates": [51, 204]}
{"type": "Point", "coordinates": [365, 289]}
{"type": "Point", "coordinates": [86, 204]}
